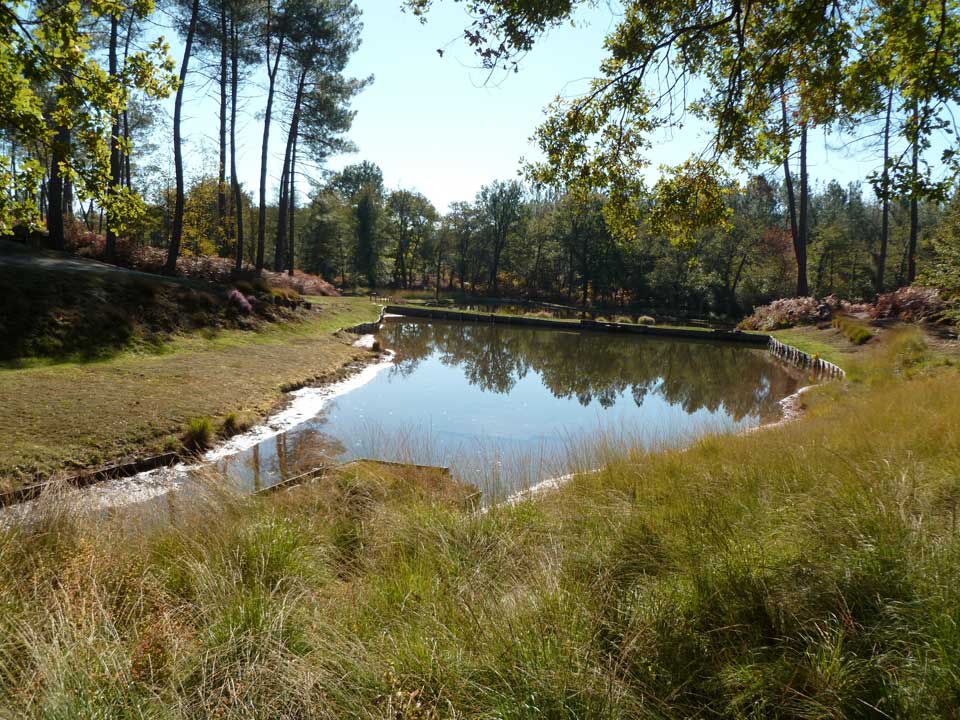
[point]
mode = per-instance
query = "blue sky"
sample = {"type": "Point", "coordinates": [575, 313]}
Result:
{"type": "Point", "coordinates": [438, 124]}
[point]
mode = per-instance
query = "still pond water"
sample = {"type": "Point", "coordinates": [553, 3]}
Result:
{"type": "Point", "coordinates": [504, 406]}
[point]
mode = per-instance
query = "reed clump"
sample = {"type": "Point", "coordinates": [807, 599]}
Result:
{"type": "Point", "coordinates": [199, 434]}
{"type": "Point", "coordinates": [811, 570]}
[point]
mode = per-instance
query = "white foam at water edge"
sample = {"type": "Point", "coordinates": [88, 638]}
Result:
{"type": "Point", "coordinates": [304, 405]}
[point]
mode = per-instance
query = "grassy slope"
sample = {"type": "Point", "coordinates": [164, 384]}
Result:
{"type": "Point", "coordinates": [830, 344]}
{"type": "Point", "coordinates": [82, 413]}
{"type": "Point", "coordinates": [807, 571]}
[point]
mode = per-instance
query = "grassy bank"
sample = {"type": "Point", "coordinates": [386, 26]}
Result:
{"type": "Point", "coordinates": [76, 414]}
{"type": "Point", "coordinates": [807, 571]}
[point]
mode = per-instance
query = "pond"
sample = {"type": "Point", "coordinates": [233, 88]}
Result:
{"type": "Point", "coordinates": [507, 406]}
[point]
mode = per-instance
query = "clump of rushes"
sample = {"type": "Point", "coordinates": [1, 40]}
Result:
{"type": "Point", "coordinates": [857, 333]}
{"type": "Point", "coordinates": [286, 296]}
{"type": "Point", "coordinates": [199, 434]}
{"type": "Point", "coordinates": [234, 423]}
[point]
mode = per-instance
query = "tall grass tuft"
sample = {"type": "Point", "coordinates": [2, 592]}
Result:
{"type": "Point", "coordinates": [199, 434]}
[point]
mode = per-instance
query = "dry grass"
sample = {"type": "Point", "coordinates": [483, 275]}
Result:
{"type": "Point", "coordinates": [808, 571]}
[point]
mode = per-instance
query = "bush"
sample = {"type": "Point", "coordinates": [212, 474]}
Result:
{"type": "Point", "coordinates": [646, 320]}
{"type": "Point", "coordinates": [237, 300]}
{"type": "Point", "coordinates": [789, 312]}
{"type": "Point", "coordinates": [235, 423]}
{"type": "Point", "coordinates": [199, 434]}
{"type": "Point", "coordinates": [857, 333]}
{"type": "Point", "coordinates": [286, 293]}
{"type": "Point", "coordinates": [303, 283]}
{"type": "Point", "coordinates": [910, 304]}
{"type": "Point", "coordinates": [245, 287]}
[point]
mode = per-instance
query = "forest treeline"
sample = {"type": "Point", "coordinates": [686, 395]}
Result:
{"type": "Point", "coordinates": [733, 227]}
{"type": "Point", "coordinates": [513, 240]}
{"type": "Point", "coordinates": [81, 124]}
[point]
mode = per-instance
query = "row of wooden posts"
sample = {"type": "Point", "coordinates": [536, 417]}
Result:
{"type": "Point", "coordinates": [801, 359]}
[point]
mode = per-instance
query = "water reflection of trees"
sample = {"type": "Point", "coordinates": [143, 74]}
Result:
{"type": "Point", "coordinates": [600, 366]}
{"type": "Point", "coordinates": [285, 456]}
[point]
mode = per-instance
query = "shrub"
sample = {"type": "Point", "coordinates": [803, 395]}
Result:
{"type": "Point", "coordinates": [856, 308]}
{"type": "Point", "coordinates": [910, 304]}
{"type": "Point", "coordinates": [303, 283]}
{"type": "Point", "coordinates": [235, 423]}
{"type": "Point", "coordinates": [646, 320]}
{"type": "Point", "coordinates": [857, 333]}
{"type": "Point", "coordinates": [246, 288]}
{"type": "Point", "coordinates": [199, 434]}
{"type": "Point", "coordinates": [789, 312]}
{"type": "Point", "coordinates": [237, 300]}
{"type": "Point", "coordinates": [284, 293]}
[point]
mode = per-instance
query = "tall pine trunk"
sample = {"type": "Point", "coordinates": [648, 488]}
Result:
{"type": "Point", "coordinates": [177, 236]}
{"type": "Point", "coordinates": [235, 184]}
{"type": "Point", "coordinates": [791, 197]}
{"type": "Point", "coordinates": [286, 177]}
{"type": "Point", "coordinates": [59, 154]}
{"type": "Point", "coordinates": [914, 197]}
{"type": "Point", "coordinates": [803, 225]}
{"type": "Point", "coordinates": [222, 166]}
{"type": "Point", "coordinates": [281, 237]}
{"type": "Point", "coordinates": [292, 200]}
{"type": "Point", "coordinates": [264, 154]}
{"type": "Point", "coordinates": [885, 190]}
{"type": "Point", "coordinates": [116, 166]}
{"type": "Point", "coordinates": [126, 174]}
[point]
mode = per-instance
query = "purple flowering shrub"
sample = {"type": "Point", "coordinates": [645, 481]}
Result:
{"type": "Point", "coordinates": [237, 300]}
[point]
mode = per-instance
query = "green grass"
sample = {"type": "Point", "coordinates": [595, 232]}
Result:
{"type": "Point", "coordinates": [76, 414]}
{"type": "Point", "coordinates": [831, 344]}
{"type": "Point", "coordinates": [810, 570]}
{"type": "Point", "coordinates": [199, 433]}
{"type": "Point", "coordinates": [548, 316]}
{"type": "Point", "coordinates": [856, 332]}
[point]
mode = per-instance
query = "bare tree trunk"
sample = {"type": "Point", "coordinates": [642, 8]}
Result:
{"type": "Point", "coordinates": [292, 201]}
{"type": "Point", "coordinates": [116, 166]}
{"type": "Point", "coordinates": [61, 146]}
{"type": "Point", "coordinates": [286, 179]}
{"type": "Point", "coordinates": [585, 268]}
{"type": "Point", "coordinates": [264, 154]}
{"type": "Point", "coordinates": [222, 166]}
{"type": "Point", "coordinates": [885, 189]}
{"type": "Point", "coordinates": [175, 240]}
{"type": "Point", "coordinates": [126, 174]}
{"type": "Point", "coordinates": [788, 182]}
{"type": "Point", "coordinates": [803, 288]}
{"type": "Point", "coordinates": [237, 195]}
{"type": "Point", "coordinates": [914, 198]}
{"type": "Point", "coordinates": [67, 198]}
{"type": "Point", "coordinates": [281, 238]}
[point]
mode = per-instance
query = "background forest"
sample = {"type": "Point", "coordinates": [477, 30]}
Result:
{"type": "Point", "coordinates": [737, 226]}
